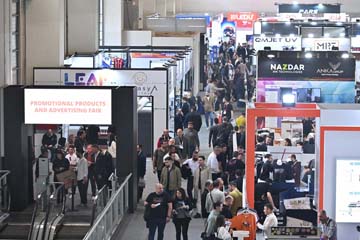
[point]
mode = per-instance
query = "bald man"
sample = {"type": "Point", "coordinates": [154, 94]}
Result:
{"type": "Point", "coordinates": [159, 210]}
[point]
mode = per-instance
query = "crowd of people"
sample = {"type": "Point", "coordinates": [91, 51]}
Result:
{"type": "Point", "coordinates": [231, 75]}
{"type": "Point", "coordinates": [78, 161]}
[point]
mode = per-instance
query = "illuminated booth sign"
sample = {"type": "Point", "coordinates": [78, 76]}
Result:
{"type": "Point", "coordinates": [323, 80]}
{"type": "Point", "coordinates": [309, 8]}
{"type": "Point", "coordinates": [326, 44]}
{"type": "Point", "coordinates": [243, 19]}
{"type": "Point", "coordinates": [149, 82]}
{"type": "Point", "coordinates": [68, 106]}
{"type": "Point", "coordinates": [277, 43]}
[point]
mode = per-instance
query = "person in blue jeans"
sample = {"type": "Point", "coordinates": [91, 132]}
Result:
{"type": "Point", "coordinates": [160, 208]}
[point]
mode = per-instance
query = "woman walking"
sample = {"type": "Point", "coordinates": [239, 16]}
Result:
{"type": "Point", "coordinates": [181, 214]}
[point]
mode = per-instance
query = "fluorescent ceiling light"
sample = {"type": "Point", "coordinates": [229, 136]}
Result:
{"type": "Point", "coordinates": [345, 55]}
{"type": "Point", "coordinates": [327, 35]}
{"type": "Point", "coordinates": [308, 55]}
{"type": "Point", "coordinates": [270, 55]}
{"type": "Point", "coordinates": [310, 35]}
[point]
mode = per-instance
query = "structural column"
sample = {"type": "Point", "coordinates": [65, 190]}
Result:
{"type": "Point", "coordinates": [113, 11]}
{"type": "Point", "coordinates": [44, 35]}
{"type": "Point", "coordinates": [83, 26]}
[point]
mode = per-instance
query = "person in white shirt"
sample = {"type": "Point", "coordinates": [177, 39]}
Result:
{"type": "Point", "coordinates": [72, 157]}
{"type": "Point", "coordinates": [193, 165]}
{"type": "Point", "coordinates": [82, 178]}
{"type": "Point", "coordinates": [73, 160]}
{"type": "Point", "coordinates": [270, 220]}
{"type": "Point", "coordinates": [213, 163]}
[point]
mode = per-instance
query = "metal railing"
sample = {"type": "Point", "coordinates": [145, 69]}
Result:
{"type": "Point", "coordinates": [106, 223]}
{"type": "Point", "coordinates": [46, 210]}
{"type": "Point", "coordinates": [5, 198]}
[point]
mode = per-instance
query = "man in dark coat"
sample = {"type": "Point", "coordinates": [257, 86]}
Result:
{"type": "Point", "coordinates": [195, 118]}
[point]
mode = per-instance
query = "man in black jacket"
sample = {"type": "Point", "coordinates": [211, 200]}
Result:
{"type": "Point", "coordinates": [141, 161]}
{"type": "Point", "coordinates": [103, 167]}
{"type": "Point", "coordinates": [214, 130]}
{"type": "Point", "coordinates": [195, 118]}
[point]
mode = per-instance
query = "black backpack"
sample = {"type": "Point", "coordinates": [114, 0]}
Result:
{"type": "Point", "coordinates": [185, 171]}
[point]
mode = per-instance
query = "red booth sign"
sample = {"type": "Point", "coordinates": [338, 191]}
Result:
{"type": "Point", "coordinates": [243, 19]}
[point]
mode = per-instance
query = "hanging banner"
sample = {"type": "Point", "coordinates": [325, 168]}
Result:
{"type": "Point", "coordinates": [325, 69]}
{"type": "Point", "coordinates": [277, 43]}
{"type": "Point", "coordinates": [309, 8]}
{"type": "Point", "coordinates": [243, 19]}
{"type": "Point", "coordinates": [326, 44]}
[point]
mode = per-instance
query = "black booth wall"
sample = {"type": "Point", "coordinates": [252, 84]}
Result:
{"type": "Point", "coordinates": [18, 143]}
{"type": "Point", "coordinates": [145, 135]}
{"type": "Point", "coordinates": [17, 148]}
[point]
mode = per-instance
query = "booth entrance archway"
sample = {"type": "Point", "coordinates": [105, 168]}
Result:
{"type": "Point", "coordinates": [267, 110]}
{"type": "Point", "coordinates": [19, 155]}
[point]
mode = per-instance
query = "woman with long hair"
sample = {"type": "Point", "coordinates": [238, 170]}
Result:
{"type": "Point", "coordinates": [181, 214]}
{"type": "Point", "coordinates": [222, 232]}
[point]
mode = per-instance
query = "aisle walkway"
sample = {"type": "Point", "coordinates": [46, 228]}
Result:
{"type": "Point", "coordinates": [134, 227]}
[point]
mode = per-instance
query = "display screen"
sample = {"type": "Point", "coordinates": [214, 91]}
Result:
{"type": "Point", "coordinates": [308, 95]}
{"type": "Point", "coordinates": [68, 106]}
{"type": "Point", "coordinates": [347, 191]}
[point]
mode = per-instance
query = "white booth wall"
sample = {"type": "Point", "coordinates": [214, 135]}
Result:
{"type": "Point", "coordinates": [338, 145]}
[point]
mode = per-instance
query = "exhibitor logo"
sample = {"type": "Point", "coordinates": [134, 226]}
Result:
{"type": "Point", "coordinates": [140, 78]}
{"type": "Point", "coordinates": [287, 68]}
{"type": "Point", "coordinates": [332, 70]}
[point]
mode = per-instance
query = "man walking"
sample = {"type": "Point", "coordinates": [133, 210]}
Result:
{"type": "Point", "coordinates": [170, 177]}
{"type": "Point", "coordinates": [158, 158]}
{"type": "Point", "coordinates": [191, 140]}
{"type": "Point", "coordinates": [201, 176]}
{"type": "Point", "coordinates": [193, 165]}
{"type": "Point", "coordinates": [159, 210]}
{"type": "Point", "coordinates": [209, 103]}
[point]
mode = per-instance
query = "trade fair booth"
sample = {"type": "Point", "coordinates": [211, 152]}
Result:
{"type": "Point", "coordinates": [151, 83]}
{"type": "Point", "coordinates": [332, 172]}
{"type": "Point", "coordinates": [312, 76]}
{"type": "Point", "coordinates": [338, 154]}
{"type": "Point", "coordinates": [26, 107]}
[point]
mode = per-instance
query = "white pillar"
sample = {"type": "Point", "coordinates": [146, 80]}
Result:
{"type": "Point", "coordinates": [2, 43]}
{"type": "Point", "coordinates": [141, 15]}
{"type": "Point", "coordinates": [83, 22]}
{"type": "Point", "coordinates": [44, 35]}
{"type": "Point", "coordinates": [113, 22]}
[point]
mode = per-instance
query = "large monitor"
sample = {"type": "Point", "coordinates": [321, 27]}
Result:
{"type": "Point", "coordinates": [308, 95]}
{"type": "Point", "coordinates": [68, 106]}
{"type": "Point", "coordinates": [347, 191]}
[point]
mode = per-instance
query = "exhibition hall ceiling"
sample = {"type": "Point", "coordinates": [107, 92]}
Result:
{"type": "Point", "coordinates": [215, 6]}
